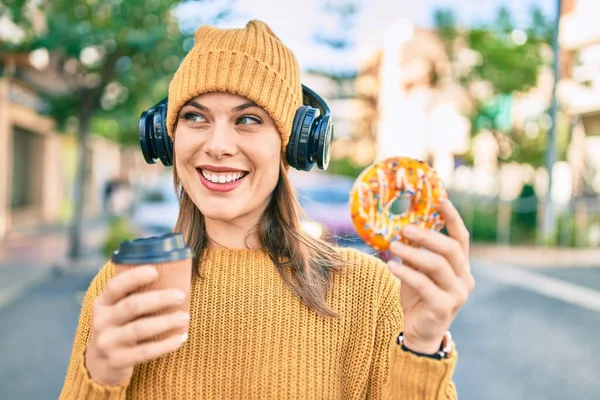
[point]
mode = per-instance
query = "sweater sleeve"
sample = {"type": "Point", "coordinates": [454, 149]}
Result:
{"type": "Point", "coordinates": [400, 375]}
{"type": "Point", "coordinates": [78, 383]}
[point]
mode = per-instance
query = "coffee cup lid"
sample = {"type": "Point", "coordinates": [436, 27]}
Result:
{"type": "Point", "coordinates": [151, 250]}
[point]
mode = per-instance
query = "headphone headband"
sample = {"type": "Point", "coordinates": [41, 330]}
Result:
{"type": "Point", "coordinates": [312, 99]}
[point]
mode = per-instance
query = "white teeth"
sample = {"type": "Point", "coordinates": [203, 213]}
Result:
{"type": "Point", "coordinates": [222, 177]}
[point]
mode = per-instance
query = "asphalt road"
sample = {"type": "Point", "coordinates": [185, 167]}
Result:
{"type": "Point", "coordinates": [514, 342]}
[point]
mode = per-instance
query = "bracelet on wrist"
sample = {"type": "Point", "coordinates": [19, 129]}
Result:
{"type": "Point", "coordinates": [444, 351]}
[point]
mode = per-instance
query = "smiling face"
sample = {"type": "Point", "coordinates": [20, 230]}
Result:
{"type": "Point", "coordinates": [227, 156]}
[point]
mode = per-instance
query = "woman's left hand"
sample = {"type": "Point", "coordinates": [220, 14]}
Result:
{"type": "Point", "coordinates": [436, 280]}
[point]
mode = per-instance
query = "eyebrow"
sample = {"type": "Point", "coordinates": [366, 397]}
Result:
{"type": "Point", "coordinates": [241, 107]}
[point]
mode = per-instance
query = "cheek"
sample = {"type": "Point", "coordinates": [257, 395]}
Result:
{"type": "Point", "coordinates": [274, 150]}
{"type": "Point", "coordinates": [267, 161]}
{"type": "Point", "coordinates": [274, 168]}
{"type": "Point", "coordinates": [179, 156]}
{"type": "Point", "coordinates": [183, 148]}
{"type": "Point", "coordinates": [272, 160]}
{"type": "Point", "coordinates": [184, 156]}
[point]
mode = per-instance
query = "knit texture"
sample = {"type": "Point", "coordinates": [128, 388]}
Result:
{"type": "Point", "coordinates": [250, 62]}
{"type": "Point", "coordinates": [250, 338]}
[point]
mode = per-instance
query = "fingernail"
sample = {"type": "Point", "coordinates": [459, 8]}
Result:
{"type": "Point", "coordinates": [183, 337]}
{"type": "Point", "coordinates": [409, 230]}
{"type": "Point", "coordinates": [396, 266]}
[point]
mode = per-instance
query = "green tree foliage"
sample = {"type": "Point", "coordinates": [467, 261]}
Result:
{"type": "Point", "coordinates": [511, 58]}
{"type": "Point", "coordinates": [508, 59]}
{"type": "Point", "coordinates": [116, 57]}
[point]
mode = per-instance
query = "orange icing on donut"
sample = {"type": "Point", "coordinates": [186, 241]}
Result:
{"type": "Point", "coordinates": [380, 184]}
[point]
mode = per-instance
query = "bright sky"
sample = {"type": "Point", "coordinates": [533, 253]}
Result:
{"type": "Point", "coordinates": [296, 22]}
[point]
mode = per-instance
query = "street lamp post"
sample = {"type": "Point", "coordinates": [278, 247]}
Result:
{"type": "Point", "coordinates": [549, 220]}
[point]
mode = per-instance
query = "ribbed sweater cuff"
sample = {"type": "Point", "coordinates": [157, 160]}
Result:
{"type": "Point", "coordinates": [83, 387]}
{"type": "Point", "coordinates": [417, 378]}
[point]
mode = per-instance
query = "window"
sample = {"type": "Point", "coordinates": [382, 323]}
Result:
{"type": "Point", "coordinates": [23, 168]}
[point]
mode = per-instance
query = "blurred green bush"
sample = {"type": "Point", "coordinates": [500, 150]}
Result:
{"type": "Point", "coordinates": [345, 166]}
{"type": "Point", "coordinates": [524, 222]}
{"type": "Point", "coordinates": [481, 217]}
{"type": "Point", "coordinates": [119, 229]}
{"type": "Point", "coordinates": [484, 222]}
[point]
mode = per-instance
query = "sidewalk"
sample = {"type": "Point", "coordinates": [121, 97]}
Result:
{"type": "Point", "coordinates": [536, 257]}
{"type": "Point", "coordinates": [28, 257]}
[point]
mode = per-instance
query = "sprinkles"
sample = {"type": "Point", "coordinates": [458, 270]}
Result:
{"type": "Point", "coordinates": [379, 185]}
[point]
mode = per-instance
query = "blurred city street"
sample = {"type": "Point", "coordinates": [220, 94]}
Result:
{"type": "Point", "coordinates": [502, 101]}
{"type": "Point", "coordinates": [516, 341]}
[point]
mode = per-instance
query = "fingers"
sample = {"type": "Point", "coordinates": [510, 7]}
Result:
{"type": "Point", "coordinates": [141, 329]}
{"type": "Point", "coordinates": [434, 266]}
{"type": "Point", "coordinates": [126, 282]}
{"type": "Point", "coordinates": [140, 304]}
{"type": "Point", "coordinates": [455, 225]}
{"type": "Point", "coordinates": [441, 244]}
{"type": "Point", "coordinates": [421, 283]}
{"type": "Point", "coordinates": [441, 302]}
{"type": "Point", "coordinates": [130, 356]}
{"type": "Point", "coordinates": [126, 322]}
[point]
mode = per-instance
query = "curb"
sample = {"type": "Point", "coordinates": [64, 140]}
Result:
{"type": "Point", "coordinates": [537, 257]}
{"type": "Point", "coordinates": [11, 294]}
{"type": "Point", "coordinates": [86, 266]}
{"type": "Point", "coordinates": [19, 278]}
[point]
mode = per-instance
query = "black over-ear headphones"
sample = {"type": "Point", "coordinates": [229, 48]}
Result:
{"type": "Point", "coordinates": [310, 141]}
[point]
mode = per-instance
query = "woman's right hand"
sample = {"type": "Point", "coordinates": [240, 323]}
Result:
{"type": "Point", "coordinates": [117, 328]}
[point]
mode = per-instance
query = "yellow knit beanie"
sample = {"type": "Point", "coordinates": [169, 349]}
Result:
{"type": "Point", "coordinates": [251, 62]}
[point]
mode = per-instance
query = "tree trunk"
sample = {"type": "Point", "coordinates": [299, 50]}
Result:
{"type": "Point", "coordinates": [76, 231]}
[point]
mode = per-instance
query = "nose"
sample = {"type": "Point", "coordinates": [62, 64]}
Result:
{"type": "Point", "coordinates": [221, 142]}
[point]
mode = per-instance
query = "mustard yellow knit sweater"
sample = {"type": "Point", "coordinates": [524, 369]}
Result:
{"type": "Point", "coordinates": [250, 338]}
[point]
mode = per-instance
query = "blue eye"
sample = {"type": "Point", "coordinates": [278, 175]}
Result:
{"type": "Point", "coordinates": [248, 120]}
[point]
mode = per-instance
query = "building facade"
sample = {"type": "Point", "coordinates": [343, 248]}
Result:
{"type": "Point", "coordinates": [37, 162]}
{"type": "Point", "coordinates": [579, 88]}
{"type": "Point", "coordinates": [30, 158]}
{"type": "Point", "coordinates": [411, 105]}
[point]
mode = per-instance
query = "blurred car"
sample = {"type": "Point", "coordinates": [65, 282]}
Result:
{"type": "Point", "coordinates": [325, 203]}
{"type": "Point", "coordinates": [324, 199]}
{"type": "Point", "coordinates": [156, 209]}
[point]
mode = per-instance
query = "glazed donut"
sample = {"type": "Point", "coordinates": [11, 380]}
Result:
{"type": "Point", "coordinates": [380, 184]}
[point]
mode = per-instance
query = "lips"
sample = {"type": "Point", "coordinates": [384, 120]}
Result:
{"type": "Point", "coordinates": [221, 179]}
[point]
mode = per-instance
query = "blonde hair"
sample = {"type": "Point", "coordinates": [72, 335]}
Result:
{"type": "Point", "coordinates": [305, 264]}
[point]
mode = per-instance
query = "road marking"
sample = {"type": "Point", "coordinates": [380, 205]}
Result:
{"type": "Point", "coordinates": [552, 287]}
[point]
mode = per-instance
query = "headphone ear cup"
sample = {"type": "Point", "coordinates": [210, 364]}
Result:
{"type": "Point", "coordinates": [298, 148]}
{"type": "Point", "coordinates": [154, 140]}
{"type": "Point", "coordinates": [145, 136]}
{"type": "Point", "coordinates": [164, 144]}
{"type": "Point", "coordinates": [324, 140]}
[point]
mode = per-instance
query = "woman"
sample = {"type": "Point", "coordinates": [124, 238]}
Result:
{"type": "Point", "coordinates": [274, 314]}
